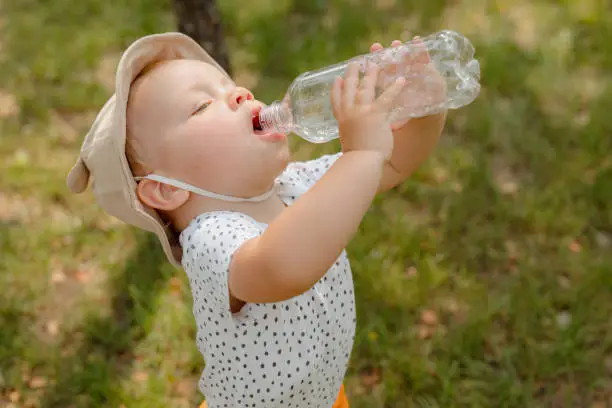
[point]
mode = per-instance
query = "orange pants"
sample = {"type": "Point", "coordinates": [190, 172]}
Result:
{"type": "Point", "coordinates": [341, 401]}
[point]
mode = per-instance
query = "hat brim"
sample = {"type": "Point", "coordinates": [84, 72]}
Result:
{"type": "Point", "coordinates": [114, 185]}
{"type": "Point", "coordinates": [143, 52]}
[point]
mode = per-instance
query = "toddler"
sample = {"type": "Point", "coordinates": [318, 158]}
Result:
{"type": "Point", "coordinates": [261, 239]}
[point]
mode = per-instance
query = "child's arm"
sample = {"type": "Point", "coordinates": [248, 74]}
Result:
{"type": "Point", "coordinates": [301, 244]}
{"type": "Point", "coordinates": [413, 143]}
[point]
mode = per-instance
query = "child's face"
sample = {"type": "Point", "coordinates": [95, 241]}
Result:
{"type": "Point", "coordinates": [192, 123]}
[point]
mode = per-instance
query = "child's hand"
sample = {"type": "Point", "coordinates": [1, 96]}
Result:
{"type": "Point", "coordinates": [424, 84]}
{"type": "Point", "coordinates": [362, 119]}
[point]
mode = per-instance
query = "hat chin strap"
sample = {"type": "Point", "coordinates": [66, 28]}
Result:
{"type": "Point", "coordinates": [210, 194]}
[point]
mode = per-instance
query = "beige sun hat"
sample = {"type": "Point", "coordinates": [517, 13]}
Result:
{"type": "Point", "coordinates": [102, 156]}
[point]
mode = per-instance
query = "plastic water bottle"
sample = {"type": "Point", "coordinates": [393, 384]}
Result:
{"type": "Point", "coordinates": [440, 70]}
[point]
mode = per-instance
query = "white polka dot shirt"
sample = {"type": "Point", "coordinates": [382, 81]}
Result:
{"type": "Point", "coordinates": [292, 353]}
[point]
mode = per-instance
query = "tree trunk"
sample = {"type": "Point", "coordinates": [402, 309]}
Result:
{"type": "Point", "coordinates": [200, 20]}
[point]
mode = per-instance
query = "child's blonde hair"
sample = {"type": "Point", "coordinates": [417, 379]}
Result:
{"type": "Point", "coordinates": [133, 146]}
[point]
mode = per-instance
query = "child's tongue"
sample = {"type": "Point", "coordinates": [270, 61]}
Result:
{"type": "Point", "coordinates": [267, 135]}
{"type": "Point", "coordinates": [256, 123]}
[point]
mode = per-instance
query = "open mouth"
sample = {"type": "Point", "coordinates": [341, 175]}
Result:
{"type": "Point", "coordinates": [255, 119]}
{"type": "Point", "coordinates": [267, 135]}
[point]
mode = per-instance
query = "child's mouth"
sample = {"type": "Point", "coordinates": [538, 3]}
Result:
{"type": "Point", "coordinates": [255, 118]}
{"type": "Point", "coordinates": [266, 135]}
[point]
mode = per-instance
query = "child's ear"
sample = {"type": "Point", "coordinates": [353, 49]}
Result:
{"type": "Point", "coordinates": [161, 196]}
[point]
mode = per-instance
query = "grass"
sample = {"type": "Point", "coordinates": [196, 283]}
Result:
{"type": "Point", "coordinates": [483, 281]}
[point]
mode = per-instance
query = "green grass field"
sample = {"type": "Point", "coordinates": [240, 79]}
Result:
{"type": "Point", "coordinates": [483, 281]}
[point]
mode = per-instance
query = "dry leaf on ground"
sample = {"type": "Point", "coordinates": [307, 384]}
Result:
{"type": "Point", "coordinates": [14, 396]}
{"type": "Point", "coordinates": [8, 105]}
{"type": "Point", "coordinates": [371, 378]}
{"type": "Point", "coordinates": [37, 382]}
{"type": "Point", "coordinates": [429, 317]}
{"type": "Point", "coordinates": [575, 247]}
{"type": "Point", "coordinates": [140, 376]}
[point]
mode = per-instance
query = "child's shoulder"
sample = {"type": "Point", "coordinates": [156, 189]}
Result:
{"type": "Point", "coordinates": [320, 163]}
{"type": "Point", "coordinates": [214, 229]}
{"type": "Point", "coordinates": [312, 170]}
{"type": "Point", "coordinates": [221, 232]}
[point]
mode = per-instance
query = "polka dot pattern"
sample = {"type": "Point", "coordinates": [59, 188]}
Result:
{"type": "Point", "coordinates": [292, 353]}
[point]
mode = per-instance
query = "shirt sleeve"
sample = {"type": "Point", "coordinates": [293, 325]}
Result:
{"type": "Point", "coordinates": [311, 171]}
{"type": "Point", "coordinates": [208, 249]}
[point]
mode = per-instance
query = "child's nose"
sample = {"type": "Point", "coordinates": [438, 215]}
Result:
{"type": "Point", "coordinates": [238, 96]}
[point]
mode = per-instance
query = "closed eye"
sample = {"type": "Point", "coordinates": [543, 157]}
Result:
{"type": "Point", "coordinates": [201, 108]}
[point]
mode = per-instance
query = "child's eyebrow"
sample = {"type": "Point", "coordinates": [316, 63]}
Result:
{"type": "Point", "coordinates": [198, 87]}
{"type": "Point", "coordinates": [197, 92]}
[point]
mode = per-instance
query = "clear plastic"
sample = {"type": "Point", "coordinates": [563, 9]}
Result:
{"type": "Point", "coordinates": [441, 74]}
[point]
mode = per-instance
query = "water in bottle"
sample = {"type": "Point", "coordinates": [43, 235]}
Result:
{"type": "Point", "coordinates": [440, 70]}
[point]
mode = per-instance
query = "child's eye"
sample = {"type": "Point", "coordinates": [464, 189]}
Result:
{"type": "Point", "coordinates": [202, 107]}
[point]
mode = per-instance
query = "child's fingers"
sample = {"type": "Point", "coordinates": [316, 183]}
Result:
{"type": "Point", "coordinates": [422, 56]}
{"type": "Point", "coordinates": [336, 96]}
{"type": "Point", "coordinates": [376, 47]}
{"type": "Point", "coordinates": [392, 62]}
{"type": "Point", "coordinates": [368, 84]}
{"type": "Point", "coordinates": [386, 100]}
{"type": "Point", "coordinates": [415, 59]}
{"type": "Point", "coordinates": [350, 85]}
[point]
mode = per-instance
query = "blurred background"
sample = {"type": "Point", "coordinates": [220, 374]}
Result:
{"type": "Point", "coordinates": [483, 281]}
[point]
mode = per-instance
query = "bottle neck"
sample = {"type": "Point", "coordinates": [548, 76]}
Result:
{"type": "Point", "coordinates": [276, 117]}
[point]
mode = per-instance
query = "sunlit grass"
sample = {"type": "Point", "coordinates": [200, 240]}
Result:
{"type": "Point", "coordinates": [483, 281]}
